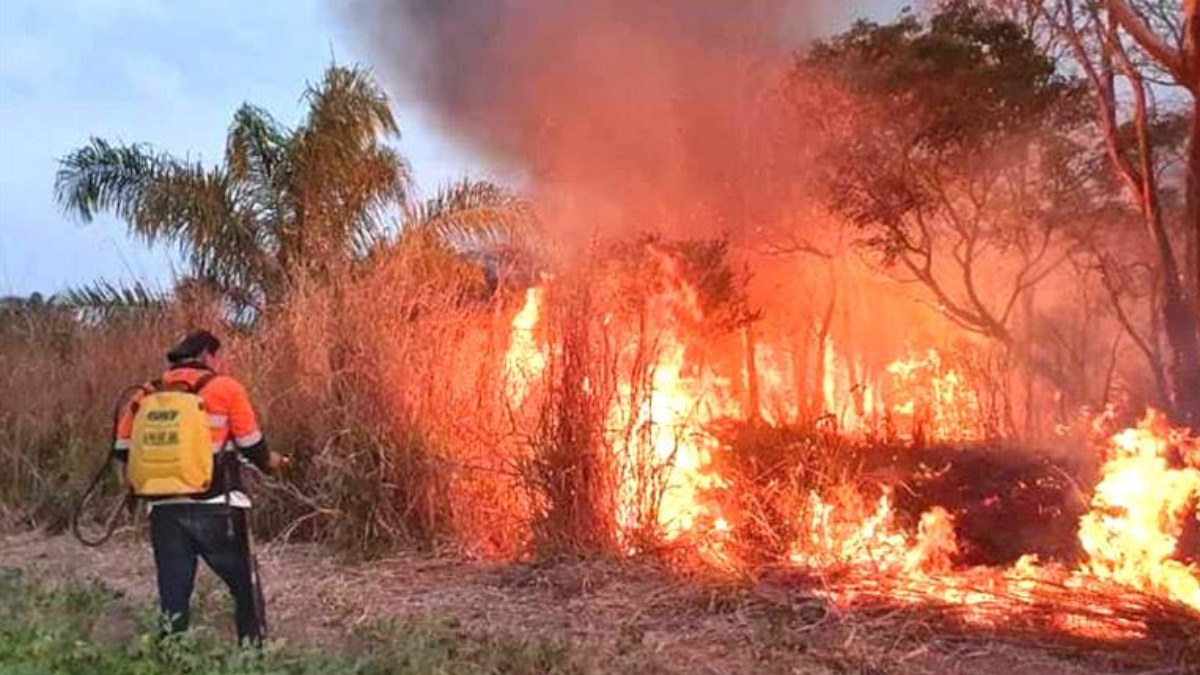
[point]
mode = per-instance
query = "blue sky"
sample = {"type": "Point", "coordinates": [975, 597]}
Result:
{"type": "Point", "coordinates": [170, 73]}
{"type": "Point", "coordinates": [166, 72]}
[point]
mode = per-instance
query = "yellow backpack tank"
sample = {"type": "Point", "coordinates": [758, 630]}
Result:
{"type": "Point", "coordinates": [171, 452]}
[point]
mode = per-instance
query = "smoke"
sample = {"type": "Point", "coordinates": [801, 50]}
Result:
{"type": "Point", "coordinates": [663, 116]}
{"type": "Point", "coordinates": [625, 115]}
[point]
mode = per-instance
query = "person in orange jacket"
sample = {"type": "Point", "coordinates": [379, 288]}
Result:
{"type": "Point", "coordinates": [212, 525]}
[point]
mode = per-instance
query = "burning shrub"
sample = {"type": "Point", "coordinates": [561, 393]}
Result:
{"type": "Point", "coordinates": [398, 412]}
{"type": "Point", "coordinates": [770, 473]}
{"type": "Point", "coordinates": [571, 470]}
{"type": "Point", "coordinates": [602, 413]}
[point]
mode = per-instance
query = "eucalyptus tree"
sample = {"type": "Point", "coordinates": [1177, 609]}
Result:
{"type": "Point", "coordinates": [948, 144]}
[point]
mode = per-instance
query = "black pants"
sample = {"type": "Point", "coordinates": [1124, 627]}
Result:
{"type": "Point", "coordinates": [217, 533]}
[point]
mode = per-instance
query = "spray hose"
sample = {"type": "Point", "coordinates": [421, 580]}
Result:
{"type": "Point", "coordinates": [128, 503]}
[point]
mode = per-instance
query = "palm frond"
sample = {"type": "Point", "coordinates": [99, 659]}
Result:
{"type": "Point", "coordinates": [374, 197]}
{"type": "Point", "coordinates": [491, 227]}
{"type": "Point", "coordinates": [346, 178]}
{"type": "Point", "coordinates": [198, 209]}
{"type": "Point", "coordinates": [255, 145]}
{"type": "Point", "coordinates": [284, 203]}
{"type": "Point", "coordinates": [472, 214]}
{"type": "Point", "coordinates": [349, 105]}
{"type": "Point", "coordinates": [256, 154]}
{"type": "Point", "coordinates": [102, 176]}
{"type": "Point", "coordinates": [104, 300]}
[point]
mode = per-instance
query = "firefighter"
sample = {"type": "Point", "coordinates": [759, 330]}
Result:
{"type": "Point", "coordinates": [212, 523]}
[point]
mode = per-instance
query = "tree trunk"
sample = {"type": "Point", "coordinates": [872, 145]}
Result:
{"type": "Point", "coordinates": [1030, 338]}
{"type": "Point", "coordinates": [825, 406]}
{"type": "Point", "coordinates": [1180, 325]}
{"type": "Point", "coordinates": [750, 375]}
{"type": "Point", "coordinates": [1192, 206]}
{"type": "Point", "coordinates": [1191, 62]}
{"type": "Point", "coordinates": [1179, 316]}
{"type": "Point", "coordinates": [800, 366]}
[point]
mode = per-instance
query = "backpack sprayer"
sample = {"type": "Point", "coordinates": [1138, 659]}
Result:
{"type": "Point", "coordinates": [170, 455]}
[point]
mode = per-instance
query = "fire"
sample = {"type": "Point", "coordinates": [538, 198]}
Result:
{"type": "Point", "coordinates": [524, 362]}
{"type": "Point", "coordinates": [669, 421]}
{"type": "Point", "coordinates": [667, 395]}
{"type": "Point", "coordinates": [847, 391]}
{"type": "Point", "coordinates": [1140, 508]}
{"type": "Point", "coordinates": [875, 542]}
{"type": "Point", "coordinates": [916, 396]}
{"type": "Point", "coordinates": [934, 400]}
{"type": "Point", "coordinates": [658, 426]}
{"type": "Point", "coordinates": [1149, 490]}
{"type": "Point", "coordinates": [667, 451]}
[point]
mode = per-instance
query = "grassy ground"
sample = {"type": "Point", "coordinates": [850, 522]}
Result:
{"type": "Point", "coordinates": [89, 610]}
{"type": "Point", "coordinates": [89, 628]}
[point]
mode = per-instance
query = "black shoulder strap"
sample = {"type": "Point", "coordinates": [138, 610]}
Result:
{"type": "Point", "coordinates": [202, 381]}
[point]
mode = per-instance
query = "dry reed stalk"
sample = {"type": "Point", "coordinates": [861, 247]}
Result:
{"type": "Point", "coordinates": [61, 377]}
{"type": "Point", "coordinates": [571, 471]}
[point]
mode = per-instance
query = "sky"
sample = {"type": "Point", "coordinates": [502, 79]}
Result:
{"type": "Point", "coordinates": [169, 73]}
{"type": "Point", "coordinates": [165, 72]}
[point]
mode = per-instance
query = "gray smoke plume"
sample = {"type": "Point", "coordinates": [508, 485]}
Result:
{"type": "Point", "coordinates": [627, 115]}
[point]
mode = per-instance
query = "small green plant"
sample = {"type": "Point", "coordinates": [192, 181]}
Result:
{"type": "Point", "coordinates": [46, 630]}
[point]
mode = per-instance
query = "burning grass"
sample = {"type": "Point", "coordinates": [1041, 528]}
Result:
{"type": "Point", "coordinates": [621, 410]}
{"type": "Point", "coordinates": [934, 536]}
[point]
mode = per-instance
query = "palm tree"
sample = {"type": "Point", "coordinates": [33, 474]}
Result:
{"type": "Point", "coordinates": [286, 203]}
{"type": "Point", "coordinates": [483, 224]}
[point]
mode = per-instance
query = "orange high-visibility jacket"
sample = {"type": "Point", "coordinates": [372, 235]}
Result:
{"type": "Point", "coordinates": [231, 420]}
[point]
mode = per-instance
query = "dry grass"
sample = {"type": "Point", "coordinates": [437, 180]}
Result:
{"type": "Point", "coordinates": [628, 611]}
{"type": "Point", "coordinates": [571, 470]}
{"type": "Point", "coordinates": [60, 381]}
{"type": "Point", "coordinates": [392, 412]}
{"type": "Point", "coordinates": [1109, 624]}
{"type": "Point", "coordinates": [390, 392]}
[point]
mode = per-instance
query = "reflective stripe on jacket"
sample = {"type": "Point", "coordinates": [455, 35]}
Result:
{"type": "Point", "coordinates": [231, 421]}
{"type": "Point", "coordinates": [231, 418]}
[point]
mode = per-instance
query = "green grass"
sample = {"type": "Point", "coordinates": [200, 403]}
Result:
{"type": "Point", "coordinates": [89, 629]}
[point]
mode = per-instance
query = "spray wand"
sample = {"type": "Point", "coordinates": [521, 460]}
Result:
{"type": "Point", "coordinates": [127, 503]}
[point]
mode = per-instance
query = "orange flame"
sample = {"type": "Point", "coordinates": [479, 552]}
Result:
{"type": "Point", "coordinates": [876, 542]}
{"type": "Point", "coordinates": [934, 400]}
{"type": "Point", "coordinates": [666, 450]}
{"type": "Point", "coordinates": [673, 455]}
{"type": "Point", "coordinates": [1149, 488]}
{"type": "Point", "coordinates": [1139, 511]}
{"type": "Point", "coordinates": [524, 362]}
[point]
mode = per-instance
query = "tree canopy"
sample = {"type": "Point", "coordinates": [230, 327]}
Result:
{"type": "Point", "coordinates": [286, 202]}
{"type": "Point", "coordinates": [289, 203]}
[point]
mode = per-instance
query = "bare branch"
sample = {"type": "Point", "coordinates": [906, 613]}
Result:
{"type": "Point", "coordinates": [1152, 355]}
{"type": "Point", "coordinates": [1171, 59]}
{"type": "Point", "coordinates": [793, 244]}
{"type": "Point", "coordinates": [1101, 77]}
